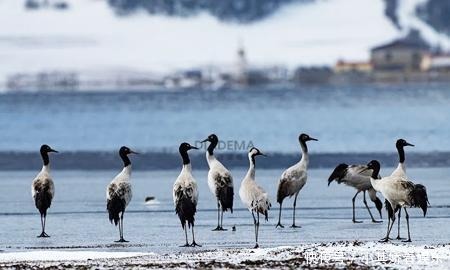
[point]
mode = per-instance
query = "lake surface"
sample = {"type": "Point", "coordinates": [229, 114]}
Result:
{"type": "Point", "coordinates": [344, 119]}
{"type": "Point", "coordinates": [349, 120]}
{"type": "Point", "coordinates": [78, 217]}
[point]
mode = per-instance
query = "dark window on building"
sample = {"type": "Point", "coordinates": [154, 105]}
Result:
{"type": "Point", "coordinates": [388, 56]}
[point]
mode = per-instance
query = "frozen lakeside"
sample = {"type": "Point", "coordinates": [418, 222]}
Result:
{"type": "Point", "coordinates": [330, 255]}
{"type": "Point", "coordinates": [81, 235]}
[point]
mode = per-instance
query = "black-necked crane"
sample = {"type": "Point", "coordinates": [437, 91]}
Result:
{"type": "Point", "coordinates": [220, 182]}
{"type": "Point", "coordinates": [185, 194]}
{"type": "Point", "coordinates": [400, 193]}
{"type": "Point", "coordinates": [400, 171]}
{"type": "Point", "coordinates": [358, 177]}
{"type": "Point", "coordinates": [119, 193]}
{"type": "Point", "coordinates": [43, 188]}
{"type": "Point", "coordinates": [252, 195]}
{"type": "Point", "coordinates": [294, 178]}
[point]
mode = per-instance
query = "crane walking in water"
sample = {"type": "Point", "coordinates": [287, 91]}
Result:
{"type": "Point", "coordinates": [252, 195]}
{"type": "Point", "coordinates": [118, 192]}
{"type": "Point", "coordinates": [400, 171]}
{"type": "Point", "coordinates": [358, 177]}
{"type": "Point", "coordinates": [42, 188]}
{"type": "Point", "coordinates": [400, 193]}
{"type": "Point", "coordinates": [220, 182]}
{"type": "Point", "coordinates": [185, 194]}
{"type": "Point", "coordinates": [294, 178]}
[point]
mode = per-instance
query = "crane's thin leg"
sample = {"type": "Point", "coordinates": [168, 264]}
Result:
{"type": "Point", "coordinates": [193, 238]}
{"type": "Point", "coordinates": [368, 209]}
{"type": "Point", "coordinates": [256, 230]}
{"type": "Point", "coordinates": [293, 216]}
{"type": "Point", "coordinates": [43, 234]}
{"type": "Point", "coordinates": [279, 217]}
{"type": "Point", "coordinates": [389, 229]}
{"type": "Point", "coordinates": [45, 220]}
{"type": "Point", "coordinates": [121, 240]}
{"type": "Point", "coordinates": [221, 221]}
{"type": "Point", "coordinates": [218, 228]}
{"type": "Point", "coordinates": [185, 233]}
{"type": "Point", "coordinates": [407, 224]}
{"type": "Point", "coordinates": [353, 202]}
{"type": "Point", "coordinates": [398, 234]}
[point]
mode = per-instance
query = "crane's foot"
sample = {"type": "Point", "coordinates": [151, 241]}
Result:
{"type": "Point", "coordinates": [356, 221]}
{"type": "Point", "coordinates": [256, 245]}
{"type": "Point", "coordinates": [295, 226]}
{"type": "Point", "coordinates": [384, 240]}
{"type": "Point", "coordinates": [377, 221]}
{"type": "Point", "coordinates": [400, 238]}
{"type": "Point", "coordinates": [121, 240]}
{"type": "Point", "coordinates": [407, 241]}
{"type": "Point", "coordinates": [195, 244]}
{"type": "Point", "coordinates": [185, 245]}
{"type": "Point", "coordinates": [279, 225]}
{"type": "Point", "coordinates": [219, 228]}
{"type": "Point", "coordinates": [43, 234]}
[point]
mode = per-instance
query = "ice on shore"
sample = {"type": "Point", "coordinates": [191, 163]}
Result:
{"type": "Point", "coordinates": [53, 255]}
{"type": "Point", "coordinates": [326, 255]}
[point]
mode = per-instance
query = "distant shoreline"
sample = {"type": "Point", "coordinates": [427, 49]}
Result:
{"type": "Point", "coordinates": [106, 160]}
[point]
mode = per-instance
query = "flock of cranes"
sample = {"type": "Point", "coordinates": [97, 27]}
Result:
{"type": "Point", "coordinates": [398, 191]}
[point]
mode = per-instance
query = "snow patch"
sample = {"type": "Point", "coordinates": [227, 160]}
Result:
{"type": "Point", "coordinates": [409, 20]}
{"type": "Point", "coordinates": [89, 36]}
{"type": "Point", "coordinates": [45, 255]}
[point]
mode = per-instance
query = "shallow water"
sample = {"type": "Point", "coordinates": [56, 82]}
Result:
{"type": "Point", "coordinates": [78, 219]}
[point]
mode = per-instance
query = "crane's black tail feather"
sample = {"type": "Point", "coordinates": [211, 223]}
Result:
{"type": "Point", "coordinates": [226, 195]}
{"type": "Point", "coordinates": [338, 173]}
{"type": "Point", "coordinates": [185, 210]}
{"type": "Point", "coordinates": [419, 198]}
{"type": "Point", "coordinates": [115, 206]}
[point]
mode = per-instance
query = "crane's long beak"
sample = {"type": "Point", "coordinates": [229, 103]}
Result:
{"type": "Point", "coordinates": [193, 147]}
{"type": "Point", "coordinates": [53, 150]}
{"type": "Point", "coordinates": [132, 152]}
{"type": "Point", "coordinates": [205, 140]}
{"type": "Point", "coordinates": [409, 144]}
{"type": "Point", "coordinates": [313, 139]}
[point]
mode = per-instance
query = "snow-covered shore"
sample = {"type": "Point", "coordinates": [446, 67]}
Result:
{"type": "Point", "coordinates": [361, 255]}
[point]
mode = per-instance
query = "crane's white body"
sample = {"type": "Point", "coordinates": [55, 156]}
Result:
{"type": "Point", "coordinates": [43, 179]}
{"type": "Point", "coordinates": [120, 186]}
{"type": "Point", "coordinates": [185, 183]}
{"type": "Point", "coordinates": [218, 176]}
{"type": "Point", "coordinates": [252, 195]}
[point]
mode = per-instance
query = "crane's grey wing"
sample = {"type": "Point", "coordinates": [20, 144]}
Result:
{"type": "Point", "coordinates": [290, 183]}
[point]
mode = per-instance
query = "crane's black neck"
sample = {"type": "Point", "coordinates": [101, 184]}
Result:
{"type": "Point", "coordinates": [185, 157]}
{"type": "Point", "coordinates": [375, 171]}
{"type": "Point", "coordinates": [125, 159]}
{"type": "Point", "coordinates": [401, 154]}
{"type": "Point", "coordinates": [45, 158]}
{"type": "Point", "coordinates": [304, 146]}
{"type": "Point", "coordinates": [212, 146]}
{"type": "Point", "coordinates": [253, 160]}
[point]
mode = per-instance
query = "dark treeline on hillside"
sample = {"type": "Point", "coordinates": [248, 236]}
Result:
{"type": "Point", "coordinates": [241, 11]}
{"type": "Point", "coordinates": [434, 12]}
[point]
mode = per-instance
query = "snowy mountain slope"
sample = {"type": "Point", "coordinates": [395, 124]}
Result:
{"type": "Point", "coordinates": [90, 36]}
{"type": "Point", "coordinates": [408, 20]}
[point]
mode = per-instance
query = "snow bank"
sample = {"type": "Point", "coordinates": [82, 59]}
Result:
{"type": "Point", "coordinates": [324, 255]}
{"type": "Point", "coordinates": [90, 37]}
{"type": "Point", "coordinates": [46, 255]}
